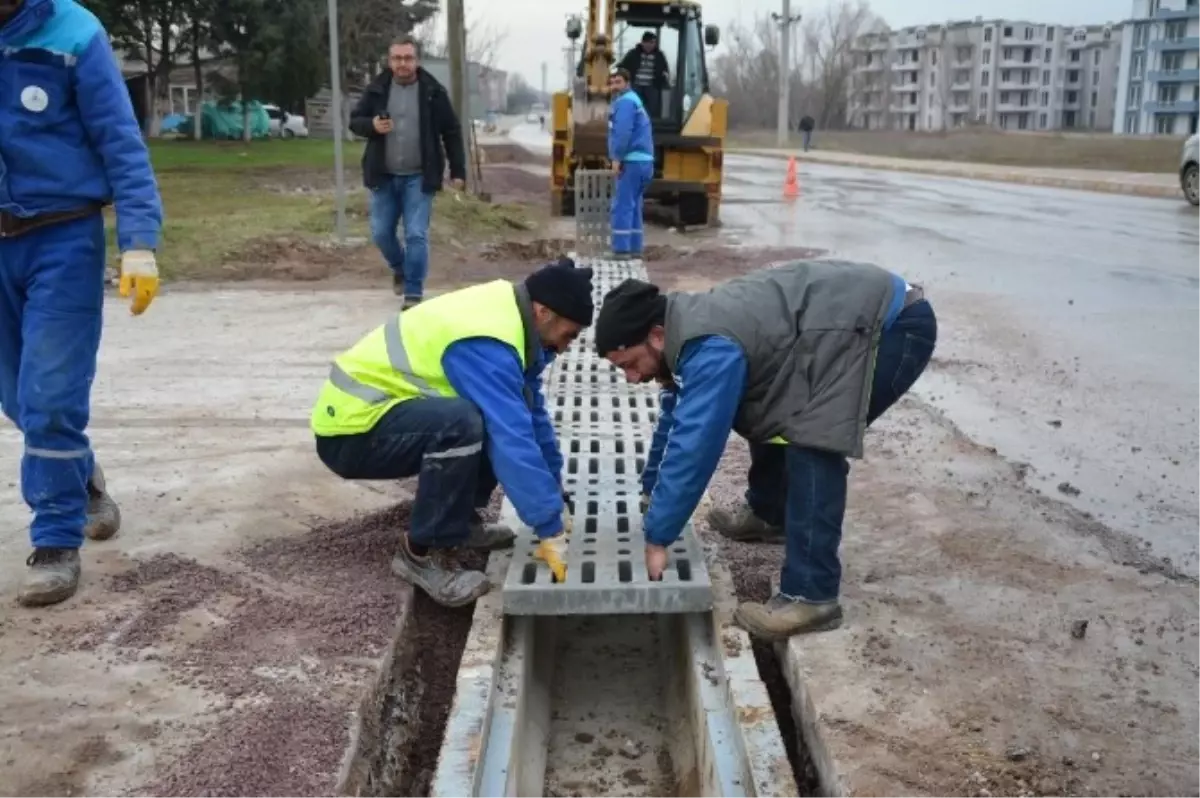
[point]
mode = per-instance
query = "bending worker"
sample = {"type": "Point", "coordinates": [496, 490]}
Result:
{"type": "Point", "coordinates": [631, 150]}
{"type": "Point", "coordinates": [799, 360]}
{"type": "Point", "coordinates": [450, 392]}
{"type": "Point", "coordinates": [69, 145]}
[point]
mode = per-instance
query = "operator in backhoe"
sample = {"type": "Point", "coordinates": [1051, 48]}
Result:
{"type": "Point", "coordinates": [450, 391]}
{"type": "Point", "coordinates": [651, 75]}
{"type": "Point", "coordinates": [799, 360]}
{"type": "Point", "coordinates": [631, 151]}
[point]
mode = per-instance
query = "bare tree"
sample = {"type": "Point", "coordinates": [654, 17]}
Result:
{"type": "Point", "coordinates": [367, 27]}
{"type": "Point", "coordinates": [828, 37]}
{"type": "Point", "coordinates": [483, 39]}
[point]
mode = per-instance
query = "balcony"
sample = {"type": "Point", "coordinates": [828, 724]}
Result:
{"type": "Point", "coordinates": [907, 66]}
{"type": "Point", "coordinates": [1014, 108]}
{"type": "Point", "coordinates": [1173, 45]}
{"type": "Point", "coordinates": [1173, 76]}
{"type": "Point", "coordinates": [962, 85]}
{"type": "Point", "coordinates": [1172, 13]}
{"type": "Point", "coordinates": [875, 66]}
{"type": "Point", "coordinates": [1171, 107]}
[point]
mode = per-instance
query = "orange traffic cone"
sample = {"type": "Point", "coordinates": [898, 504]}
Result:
{"type": "Point", "coordinates": [791, 185]}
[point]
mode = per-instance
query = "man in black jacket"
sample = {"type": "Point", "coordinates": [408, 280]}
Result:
{"type": "Point", "coordinates": [651, 75]}
{"type": "Point", "coordinates": [407, 119]}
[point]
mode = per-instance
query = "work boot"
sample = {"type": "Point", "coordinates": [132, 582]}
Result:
{"type": "Point", "coordinates": [439, 575]}
{"type": "Point", "coordinates": [742, 525]}
{"type": "Point", "coordinates": [397, 284]}
{"type": "Point", "coordinates": [489, 537]}
{"type": "Point", "coordinates": [410, 302]}
{"type": "Point", "coordinates": [781, 617]}
{"type": "Point", "coordinates": [103, 514]}
{"type": "Point", "coordinates": [53, 577]}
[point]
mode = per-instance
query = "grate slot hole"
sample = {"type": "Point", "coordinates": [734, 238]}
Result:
{"type": "Point", "coordinates": [639, 447]}
{"type": "Point", "coordinates": [640, 464]}
{"type": "Point", "coordinates": [593, 507]}
{"type": "Point", "coordinates": [620, 465]}
{"type": "Point", "coordinates": [574, 446]}
{"type": "Point", "coordinates": [624, 571]}
{"type": "Point", "coordinates": [572, 465]}
{"type": "Point", "coordinates": [589, 526]}
{"type": "Point", "coordinates": [620, 446]}
{"type": "Point", "coordinates": [588, 572]}
{"type": "Point", "coordinates": [684, 567]}
{"type": "Point", "coordinates": [595, 447]}
{"type": "Point", "coordinates": [529, 573]}
{"type": "Point", "coordinates": [593, 465]}
{"type": "Point", "coordinates": [622, 507]}
{"type": "Point", "coordinates": [622, 524]}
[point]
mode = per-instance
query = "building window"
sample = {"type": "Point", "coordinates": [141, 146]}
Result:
{"type": "Point", "coordinates": [1008, 53]}
{"type": "Point", "coordinates": [1138, 64]}
{"type": "Point", "coordinates": [1096, 58]}
{"type": "Point", "coordinates": [1045, 98]}
{"type": "Point", "coordinates": [1131, 122]}
{"type": "Point", "coordinates": [1080, 36]}
{"type": "Point", "coordinates": [1164, 124]}
{"type": "Point", "coordinates": [984, 78]}
{"type": "Point", "coordinates": [932, 58]}
{"type": "Point", "coordinates": [1049, 55]}
{"type": "Point", "coordinates": [1004, 98]}
{"type": "Point", "coordinates": [1029, 34]}
{"type": "Point", "coordinates": [1005, 75]}
{"type": "Point", "coordinates": [1092, 119]}
{"type": "Point", "coordinates": [1022, 121]}
{"type": "Point", "coordinates": [1072, 76]}
{"type": "Point", "coordinates": [1168, 93]}
{"type": "Point", "coordinates": [1074, 56]}
{"type": "Point", "coordinates": [983, 98]}
{"type": "Point", "coordinates": [1007, 31]}
{"type": "Point", "coordinates": [932, 79]}
{"type": "Point", "coordinates": [1042, 121]}
{"type": "Point", "coordinates": [1095, 97]}
{"type": "Point", "coordinates": [1045, 77]}
{"type": "Point", "coordinates": [987, 56]}
{"type": "Point", "coordinates": [987, 34]}
{"type": "Point", "coordinates": [1175, 30]}
{"type": "Point", "coordinates": [1134, 96]}
{"type": "Point", "coordinates": [1140, 33]}
{"type": "Point", "coordinates": [1024, 99]}
{"type": "Point", "coordinates": [1172, 62]}
{"type": "Point", "coordinates": [1049, 38]}
{"type": "Point", "coordinates": [1095, 77]}
{"type": "Point", "coordinates": [1068, 119]}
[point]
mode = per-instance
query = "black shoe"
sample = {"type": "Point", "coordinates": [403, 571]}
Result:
{"type": "Point", "coordinates": [411, 302]}
{"type": "Point", "coordinates": [397, 284]}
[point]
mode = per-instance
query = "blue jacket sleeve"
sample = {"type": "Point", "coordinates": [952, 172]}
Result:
{"type": "Point", "coordinates": [487, 373]}
{"type": "Point", "coordinates": [543, 429]}
{"type": "Point", "coordinates": [621, 129]}
{"type": "Point", "coordinates": [666, 418]}
{"type": "Point", "coordinates": [712, 371]}
{"type": "Point", "coordinates": [113, 131]}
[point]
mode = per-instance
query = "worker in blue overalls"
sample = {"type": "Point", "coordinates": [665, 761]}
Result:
{"type": "Point", "coordinates": [631, 150]}
{"type": "Point", "coordinates": [69, 145]}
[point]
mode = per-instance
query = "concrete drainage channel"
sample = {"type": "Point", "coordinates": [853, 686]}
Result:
{"type": "Point", "coordinates": [607, 684]}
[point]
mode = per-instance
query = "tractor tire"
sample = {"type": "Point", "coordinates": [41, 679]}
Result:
{"type": "Point", "coordinates": [693, 209]}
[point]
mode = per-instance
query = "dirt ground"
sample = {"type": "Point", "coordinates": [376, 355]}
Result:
{"type": "Point", "coordinates": [1050, 150]}
{"type": "Point", "coordinates": [960, 669]}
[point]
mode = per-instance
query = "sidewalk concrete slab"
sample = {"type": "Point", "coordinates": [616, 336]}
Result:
{"type": "Point", "coordinates": [1135, 183]}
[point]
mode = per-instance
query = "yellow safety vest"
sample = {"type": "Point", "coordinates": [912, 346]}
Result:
{"type": "Point", "coordinates": [402, 359]}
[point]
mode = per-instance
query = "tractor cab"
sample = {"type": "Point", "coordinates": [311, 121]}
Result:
{"type": "Point", "coordinates": [646, 30]}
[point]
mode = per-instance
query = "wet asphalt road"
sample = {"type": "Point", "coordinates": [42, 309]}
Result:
{"type": "Point", "coordinates": [1069, 322]}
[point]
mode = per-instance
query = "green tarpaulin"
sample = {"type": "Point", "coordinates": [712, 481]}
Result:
{"type": "Point", "coordinates": [225, 121]}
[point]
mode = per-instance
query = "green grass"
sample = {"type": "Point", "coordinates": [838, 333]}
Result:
{"type": "Point", "coordinates": [169, 156]}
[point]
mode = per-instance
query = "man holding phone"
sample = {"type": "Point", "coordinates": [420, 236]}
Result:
{"type": "Point", "coordinates": [411, 130]}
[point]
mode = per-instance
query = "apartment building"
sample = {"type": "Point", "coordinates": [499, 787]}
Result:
{"type": "Point", "coordinates": [1159, 80]}
{"type": "Point", "coordinates": [1015, 75]}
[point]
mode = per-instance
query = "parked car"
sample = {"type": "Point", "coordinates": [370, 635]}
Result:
{"type": "Point", "coordinates": [285, 125]}
{"type": "Point", "coordinates": [1189, 170]}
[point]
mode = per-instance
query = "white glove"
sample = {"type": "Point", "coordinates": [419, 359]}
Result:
{"type": "Point", "coordinates": [139, 277]}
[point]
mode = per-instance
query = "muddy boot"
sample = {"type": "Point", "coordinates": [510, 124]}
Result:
{"type": "Point", "coordinates": [741, 524]}
{"type": "Point", "coordinates": [782, 617]}
{"type": "Point", "coordinates": [446, 582]}
{"type": "Point", "coordinates": [489, 537]}
{"type": "Point", "coordinates": [53, 577]}
{"type": "Point", "coordinates": [103, 514]}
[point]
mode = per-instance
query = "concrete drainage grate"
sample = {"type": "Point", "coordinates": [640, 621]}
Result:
{"type": "Point", "coordinates": [604, 426]}
{"type": "Point", "coordinates": [606, 570]}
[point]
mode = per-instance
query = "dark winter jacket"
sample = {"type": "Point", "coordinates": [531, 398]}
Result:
{"type": "Point", "coordinates": [440, 130]}
{"type": "Point", "coordinates": [658, 75]}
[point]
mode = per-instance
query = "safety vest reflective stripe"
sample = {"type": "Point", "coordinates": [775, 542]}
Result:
{"type": "Point", "coordinates": [398, 358]}
{"type": "Point", "coordinates": [344, 382]}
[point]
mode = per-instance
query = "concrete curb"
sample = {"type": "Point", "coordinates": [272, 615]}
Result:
{"type": "Point", "coordinates": [969, 173]}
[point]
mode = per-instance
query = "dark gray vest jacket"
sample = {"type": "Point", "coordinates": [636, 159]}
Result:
{"type": "Point", "coordinates": [809, 330]}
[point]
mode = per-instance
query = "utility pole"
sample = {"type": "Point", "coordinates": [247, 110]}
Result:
{"type": "Point", "coordinates": [456, 46]}
{"type": "Point", "coordinates": [545, 67]}
{"type": "Point", "coordinates": [785, 21]}
{"type": "Point", "coordinates": [337, 118]}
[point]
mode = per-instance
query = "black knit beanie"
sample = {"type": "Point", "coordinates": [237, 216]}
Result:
{"type": "Point", "coordinates": [564, 289]}
{"type": "Point", "coordinates": [627, 314]}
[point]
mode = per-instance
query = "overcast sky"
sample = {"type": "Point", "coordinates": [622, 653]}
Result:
{"type": "Point", "coordinates": [535, 27]}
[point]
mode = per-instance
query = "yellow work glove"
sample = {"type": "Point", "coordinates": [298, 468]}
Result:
{"type": "Point", "coordinates": [139, 277]}
{"type": "Point", "coordinates": [553, 552]}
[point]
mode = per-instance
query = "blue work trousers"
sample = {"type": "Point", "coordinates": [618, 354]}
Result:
{"type": "Point", "coordinates": [403, 197]}
{"type": "Point", "coordinates": [626, 217]}
{"type": "Point", "coordinates": [51, 309]}
{"type": "Point", "coordinates": [438, 440]}
{"type": "Point", "coordinates": [804, 490]}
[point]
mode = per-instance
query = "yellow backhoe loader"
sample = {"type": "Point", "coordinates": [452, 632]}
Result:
{"type": "Point", "coordinates": [689, 123]}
